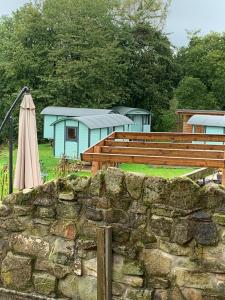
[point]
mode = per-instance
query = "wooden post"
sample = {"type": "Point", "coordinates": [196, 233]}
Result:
{"type": "Point", "coordinates": [223, 173]}
{"type": "Point", "coordinates": [96, 165]}
{"type": "Point", "coordinates": [104, 263]}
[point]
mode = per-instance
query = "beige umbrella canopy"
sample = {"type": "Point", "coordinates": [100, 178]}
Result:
{"type": "Point", "coordinates": [27, 174]}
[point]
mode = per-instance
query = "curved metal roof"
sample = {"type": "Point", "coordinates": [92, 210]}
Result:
{"type": "Point", "coordinates": [74, 112]}
{"type": "Point", "coordinates": [124, 110]}
{"type": "Point", "coordinates": [207, 120]}
{"type": "Point", "coordinates": [100, 121]}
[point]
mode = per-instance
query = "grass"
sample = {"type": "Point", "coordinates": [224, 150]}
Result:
{"type": "Point", "coordinates": [166, 172]}
{"type": "Point", "coordinates": [49, 163]}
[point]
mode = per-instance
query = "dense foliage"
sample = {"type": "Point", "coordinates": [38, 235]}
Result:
{"type": "Point", "coordinates": [203, 69]}
{"type": "Point", "coordinates": [89, 54]}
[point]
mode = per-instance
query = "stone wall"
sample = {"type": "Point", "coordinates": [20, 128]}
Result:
{"type": "Point", "coordinates": [168, 238]}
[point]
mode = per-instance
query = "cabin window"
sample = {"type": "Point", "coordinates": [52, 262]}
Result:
{"type": "Point", "coordinates": [71, 134]}
{"type": "Point", "coordinates": [145, 119]}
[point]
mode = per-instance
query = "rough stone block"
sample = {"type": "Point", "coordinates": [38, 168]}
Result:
{"type": "Point", "coordinates": [68, 210]}
{"type": "Point", "coordinates": [187, 278]}
{"type": "Point", "coordinates": [62, 251]}
{"type": "Point", "coordinates": [84, 287]}
{"type": "Point", "coordinates": [175, 249]}
{"type": "Point", "coordinates": [134, 184]}
{"type": "Point", "coordinates": [45, 212]}
{"type": "Point", "coordinates": [90, 267]}
{"type": "Point", "coordinates": [161, 226]}
{"type": "Point", "coordinates": [213, 195]}
{"type": "Point", "coordinates": [115, 216]}
{"type": "Point", "coordinates": [93, 214]}
{"type": "Point", "coordinates": [184, 194]}
{"type": "Point", "coordinates": [219, 218]}
{"type": "Point", "coordinates": [44, 283]}
{"type": "Point", "coordinates": [133, 268]}
{"type": "Point", "coordinates": [16, 272]}
{"type": "Point", "coordinates": [43, 200]}
{"type": "Point", "coordinates": [86, 244]}
{"type": "Point", "coordinates": [96, 185]}
{"type": "Point", "coordinates": [192, 294]}
{"type": "Point", "coordinates": [205, 233]}
{"type": "Point", "coordinates": [120, 233]}
{"type": "Point", "coordinates": [64, 228]}
{"type": "Point", "coordinates": [22, 210]}
{"type": "Point", "coordinates": [57, 270]}
{"type": "Point", "coordinates": [87, 228]}
{"type": "Point", "coordinates": [80, 184]}
{"type": "Point", "coordinates": [114, 180]}
{"type": "Point", "coordinates": [181, 231]}
{"type": "Point", "coordinates": [138, 294]}
{"type": "Point", "coordinates": [4, 210]}
{"type": "Point", "coordinates": [34, 246]}
{"type": "Point", "coordinates": [155, 190]}
{"type": "Point", "coordinates": [67, 196]}
{"type": "Point", "coordinates": [158, 283]}
{"type": "Point", "coordinates": [157, 263]}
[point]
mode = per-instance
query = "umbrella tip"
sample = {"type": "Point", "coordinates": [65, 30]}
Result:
{"type": "Point", "coordinates": [26, 89]}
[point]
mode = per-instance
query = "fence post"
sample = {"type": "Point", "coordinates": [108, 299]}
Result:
{"type": "Point", "coordinates": [104, 263]}
{"type": "Point", "coordinates": [95, 164]}
{"type": "Point", "coordinates": [223, 172]}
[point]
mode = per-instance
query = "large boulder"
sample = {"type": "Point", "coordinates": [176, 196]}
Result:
{"type": "Point", "coordinates": [16, 272]}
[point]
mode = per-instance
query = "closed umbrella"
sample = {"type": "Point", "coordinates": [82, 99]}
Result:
{"type": "Point", "coordinates": [27, 173]}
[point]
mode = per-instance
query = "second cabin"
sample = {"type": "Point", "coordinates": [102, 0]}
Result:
{"type": "Point", "coordinates": [72, 136]}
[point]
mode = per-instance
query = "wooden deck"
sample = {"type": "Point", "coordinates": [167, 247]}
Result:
{"type": "Point", "coordinates": [158, 148]}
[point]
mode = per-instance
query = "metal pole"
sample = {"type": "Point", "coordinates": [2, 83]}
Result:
{"type": "Point", "coordinates": [9, 117]}
{"type": "Point", "coordinates": [10, 154]}
{"type": "Point", "coordinates": [22, 92]}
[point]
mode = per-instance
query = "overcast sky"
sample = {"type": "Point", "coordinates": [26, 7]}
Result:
{"type": "Point", "coordinates": [207, 15]}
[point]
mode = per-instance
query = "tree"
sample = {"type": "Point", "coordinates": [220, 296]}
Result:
{"type": "Point", "coordinates": [192, 93]}
{"type": "Point", "coordinates": [83, 54]}
{"type": "Point", "coordinates": [153, 12]}
{"type": "Point", "coordinates": [204, 58]}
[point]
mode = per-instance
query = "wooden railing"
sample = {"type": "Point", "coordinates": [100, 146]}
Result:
{"type": "Point", "coordinates": [159, 148]}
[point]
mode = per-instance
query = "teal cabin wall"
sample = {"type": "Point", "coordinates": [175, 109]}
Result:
{"type": "Point", "coordinates": [103, 133]}
{"type": "Point", "coordinates": [95, 136]}
{"type": "Point", "coordinates": [48, 129]}
{"type": "Point", "coordinates": [71, 147]}
{"type": "Point", "coordinates": [214, 130]}
{"type": "Point", "coordinates": [142, 121]}
{"type": "Point", "coordinates": [84, 139]}
{"type": "Point", "coordinates": [210, 130]}
{"type": "Point", "coordinates": [61, 145]}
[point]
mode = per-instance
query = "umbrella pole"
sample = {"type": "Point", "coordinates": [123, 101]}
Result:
{"type": "Point", "coordinates": [8, 117]}
{"type": "Point", "coordinates": [10, 154]}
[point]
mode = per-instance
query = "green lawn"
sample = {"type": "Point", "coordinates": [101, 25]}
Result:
{"type": "Point", "coordinates": [166, 172]}
{"type": "Point", "coordinates": [49, 167]}
{"type": "Point", "coordinates": [49, 164]}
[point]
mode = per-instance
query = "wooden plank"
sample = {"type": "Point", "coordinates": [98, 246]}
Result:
{"type": "Point", "coordinates": [104, 263]}
{"type": "Point", "coordinates": [95, 164]}
{"type": "Point", "coordinates": [155, 160]}
{"type": "Point", "coordinates": [170, 136]}
{"type": "Point", "coordinates": [163, 152]}
{"type": "Point", "coordinates": [166, 145]}
{"type": "Point", "coordinates": [100, 143]}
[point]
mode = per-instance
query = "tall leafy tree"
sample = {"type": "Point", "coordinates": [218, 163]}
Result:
{"type": "Point", "coordinates": [204, 58]}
